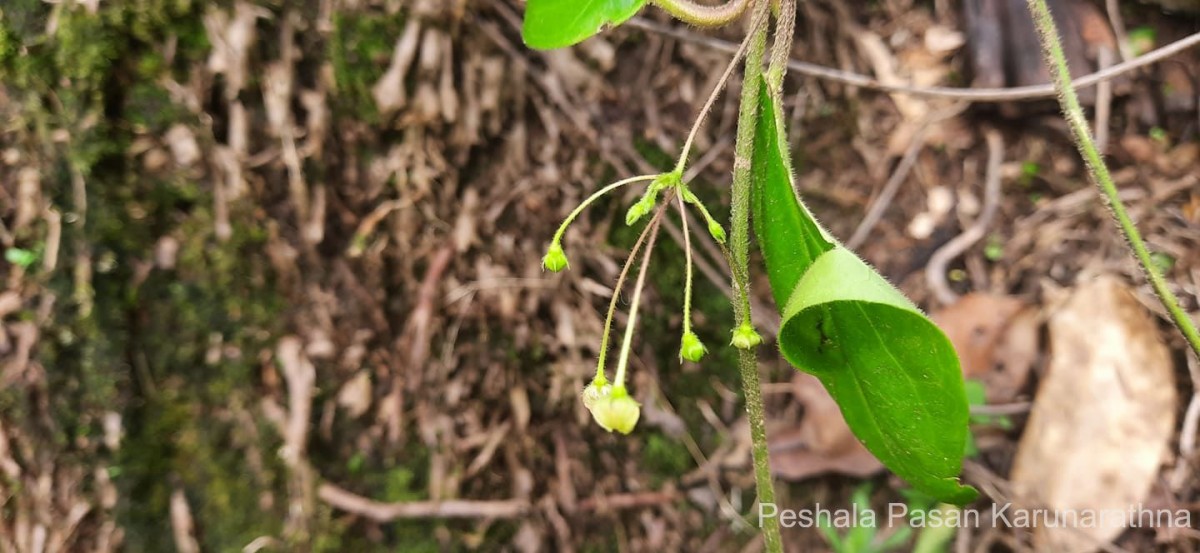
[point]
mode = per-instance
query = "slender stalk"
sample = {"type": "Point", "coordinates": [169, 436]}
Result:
{"type": "Point", "coordinates": [687, 279]}
{"type": "Point", "coordinates": [579, 209]}
{"type": "Point", "coordinates": [1073, 112]}
{"type": "Point", "coordinates": [712, 98]}
{"type": "Point", "coordinates": [612, 304]}
{"type": "Point", "coordinates": [626, 344]}
{"type": "Point", "coordinates": [701, 15]}
{"type": "Point", "coordinates": [740, 234]}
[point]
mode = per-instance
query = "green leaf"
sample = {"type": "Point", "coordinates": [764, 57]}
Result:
{"type": "Point", "coordinates": [892, 372]}
{"type": "Point", "coordinates": [553, 24]}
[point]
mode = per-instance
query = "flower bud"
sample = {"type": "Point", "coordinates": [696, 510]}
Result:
{"type": "Point", "coordinates": [690, 347]}
{"type": "Point", "coordinates": [637, 211]}
{"type": "Point", "coordinates": [744, 337]}
{"type": "Point", "coordinates": [716, 230]}
{"type": "Point", "coordinates": [555, 259]}
{"type": "Point", "coordinates": [617, 412]}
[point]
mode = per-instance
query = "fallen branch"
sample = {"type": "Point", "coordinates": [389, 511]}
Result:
{"type": "Point", "coordinates": [1018, 93]}
{"type": "Point", "coordinates": [452, 508]}
{"type": "Point", "coordinates": [627, 501]}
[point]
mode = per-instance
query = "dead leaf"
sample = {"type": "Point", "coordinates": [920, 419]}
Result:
{"type": "Point", "coordinates": [184, 147]}
{"type": "Point", "coordinates": [822, 442]}
{"type": "Point", "coordinates": [991, 346]}
{"type": "Point", "coordinates": [1103, 417]}
{"type": "Point", "coordinates": [940, 39]}
{"type": "Point", "coordinates": [355, 395]}
{"type": "Point", "coordinates": [389, 91]}
{"type": "Point", "coordinates": [10, 302]}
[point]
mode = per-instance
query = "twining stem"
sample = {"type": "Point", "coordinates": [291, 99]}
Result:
{"type": "Point", "coordinates": [579, 209]}
{"type": "Point", "coordinates": [1073, 112]}
{"type": "Point", "coordinates": [704, 16]}
{"type": "Point", "coordinates": [740, 234]}
{"type": "Point", "coordinates": [687, 279]}
{"type": "Point", "coordinates": [626, 344]}
{"type": "Point", "coordinates": [612, 305]}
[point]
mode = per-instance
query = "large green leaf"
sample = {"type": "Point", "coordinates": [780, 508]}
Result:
{"type": "Point", "coordinates": [893, 373]}
{"type": "Point", "coordinates": [558, 23]}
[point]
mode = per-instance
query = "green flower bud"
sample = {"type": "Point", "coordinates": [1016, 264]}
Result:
{"type": "Point", "coordinates": [637, 211]}
{"type": "Point", "coordinates": [690, 347]}
{"type": "Point", "coordinates": [717, 232]}
{"type": "Point", "coordinates": [617, 412]}
{"type": "Point", "coordinates": [555, 259]}
{"type": "Point", "coordinates": [744, 337]}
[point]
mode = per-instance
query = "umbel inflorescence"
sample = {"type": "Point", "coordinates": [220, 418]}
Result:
{"type": "Point", "coordinates": [609, 402]}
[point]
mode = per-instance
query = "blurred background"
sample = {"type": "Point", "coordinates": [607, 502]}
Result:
{"type": "Point", "coordinates": [271, 275]}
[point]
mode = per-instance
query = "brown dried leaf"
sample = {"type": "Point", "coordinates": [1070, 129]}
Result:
{"type": "Point", "coordinates": [355, 394]}
{"type": "Point", "coordinates": [822, 443]}
{"type": "Point", "coordinates": [990, 345]}
{"type": "Point", "coordinates": [1103, 417]}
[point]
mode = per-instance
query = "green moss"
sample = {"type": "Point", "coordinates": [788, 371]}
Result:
{"type": "Point", "coordinates": [360, 51]}
{"type": "Point", "coordinates": [139, 343]}
{"type": "Point", "coordinates": [666, 458]}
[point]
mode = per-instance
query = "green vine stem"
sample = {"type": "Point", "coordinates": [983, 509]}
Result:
{"type": "Point", "coordinates": [743, 152]}
{"type": "Point", "coordinates": [701, 15]}
{"type": "Point", "coordinates": [740, 234]}
{"type": "Point", "coordinates": [1073, 112]}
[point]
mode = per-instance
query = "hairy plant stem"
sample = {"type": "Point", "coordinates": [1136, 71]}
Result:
{"type": "Point", "coordinates": [1073, 112]}
{"type": "Point", "coordinates": [687, 280]}
{"type": "Point", "coordinates": [743, 152]}
{"type": "Point", "coordinates": [627, 343]}
{"type": "Point", "coordinates": [781, 49]}
{"type": "Point", "coordinates": [701, 15]}
{"type": "Point", "coordinates": [612, 305]}
{"type": "Point", "coordinates": [740, 236]}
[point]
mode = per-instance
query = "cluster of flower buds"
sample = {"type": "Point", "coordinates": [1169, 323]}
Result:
{"type": "Point", "coordinates": [610, 403]}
